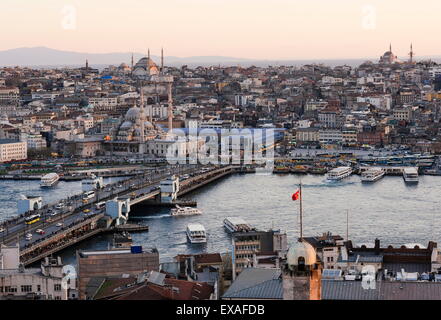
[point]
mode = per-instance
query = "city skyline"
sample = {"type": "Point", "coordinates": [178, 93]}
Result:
{"type": "Point", "coordinates": [284, 30]}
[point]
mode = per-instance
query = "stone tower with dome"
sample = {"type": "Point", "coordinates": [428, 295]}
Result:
{"type": "Point", "coordinates": [301, 274]}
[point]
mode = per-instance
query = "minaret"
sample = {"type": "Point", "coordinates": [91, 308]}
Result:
{"type": "Point", "coordinates": [411, 53]}
{"type": "Point", "coordinates": [162, 60]}
{"type": "Point", "coordinates": [87, 64]}
{"type": "Point", "coordinates": [148, 54]}
{"type": "Point", "coordinates": [390, 47]}
{"type": "Point", "coordinates": [170, 108]}
{"type": "Point", "coordinates": [132, 60]}
{"type": "Point", "coordinates": [142, 116]}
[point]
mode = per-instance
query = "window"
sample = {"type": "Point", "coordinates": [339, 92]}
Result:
{"type": "Point", "coordinates": [38, 288]}
{"type": "Point", "coordinates": [26, 288]}
{"type": "Point", "coordinates": [10, 289]}
{"type": "Point", "coordinates": [57, 287]}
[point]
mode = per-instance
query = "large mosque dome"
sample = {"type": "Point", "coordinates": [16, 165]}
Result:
{"type": "Point", "coordinates": [145, 67]}
{"type": "Point", "coordinates": [133, 114]}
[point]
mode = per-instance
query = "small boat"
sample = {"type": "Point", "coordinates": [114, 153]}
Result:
{"type": "Point", "coordinates": [410, 175]}
{"type": "Point", "coordinates": [196, 233]}
{"type": "Point", "coordinates": [184, 211]}
{"type": "Point", "coordinates": [236, 224]}
{"type": "Point", "coordinates": [49, 180]}
{"type": "Point", "coordinates": [372, 174]}
{"type": "Point", "coordinates": [339, 173]}
{"type": "Point", "coordinates": [92, 183]}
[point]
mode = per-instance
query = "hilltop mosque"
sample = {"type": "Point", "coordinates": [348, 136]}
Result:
{"type": "Point", "coordinates": [135, 134]}
{"type": "Point", "coordinates": [146, 67]}
{"type": "Point", "coordinates": [390, 58]}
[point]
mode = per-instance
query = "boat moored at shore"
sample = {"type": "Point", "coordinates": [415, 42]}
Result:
{"type": "Point", "coordinates": [372, 174]}
{"type": "Point", "coordinates": [410, 175]}
{"type": "Point", "coordinates": [339, 173]}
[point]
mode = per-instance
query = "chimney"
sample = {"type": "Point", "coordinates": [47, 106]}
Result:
{"type": "Point", "coordinates": [377, 246]}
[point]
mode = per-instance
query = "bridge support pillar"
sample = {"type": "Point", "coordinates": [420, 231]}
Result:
{"type": "Point", "coordinates": [118, 209]}
{"type": "Point", "coordinates": [169, 189]}
{"type": "Point", "coordinates": [29, 204]}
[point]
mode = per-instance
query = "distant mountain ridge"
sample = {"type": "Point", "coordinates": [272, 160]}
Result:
{"type": "Point", "coordinates": [43, 56]}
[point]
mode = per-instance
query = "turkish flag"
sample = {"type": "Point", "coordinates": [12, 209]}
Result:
{"type": "Point", "coordinates": [296, 195]}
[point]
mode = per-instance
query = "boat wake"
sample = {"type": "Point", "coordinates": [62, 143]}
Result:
{"type": "Point", "coordinates": [158, 216]}
{"type": "Point", "coordinates": [330, 184]}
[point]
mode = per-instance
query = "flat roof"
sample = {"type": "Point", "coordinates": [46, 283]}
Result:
{"type": "Point", "coordinates": [7, 141]}
{"type": "Point", "coordinates": [195, 227]}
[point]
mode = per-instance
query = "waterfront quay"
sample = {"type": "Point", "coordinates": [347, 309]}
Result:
{"type": "Point", "coordinates": [321, 161]}
{"type": "Point", "coordinates": [79, 220]}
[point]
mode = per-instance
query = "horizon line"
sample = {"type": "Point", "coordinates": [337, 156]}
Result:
{"type": "Point", "coordinates": [195, 56]}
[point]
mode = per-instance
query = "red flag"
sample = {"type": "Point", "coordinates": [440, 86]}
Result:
{"type": "Point", "coordinates": [296, 195]}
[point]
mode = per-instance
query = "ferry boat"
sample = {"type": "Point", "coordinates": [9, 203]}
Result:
{"type": "Point", "coordinates": [49, 180]}
{"type": "Point", "coordinates": [92, 183]}
{"type": "Point", "coordinates": [372, 174]}
{"type": "Point", "coordinates": [339, 173]}
{"type": "Point", "coordinates": [236, 224]}
{"type": "Point", "coordinates": [184, 211]}
{"type": "Point", "coordinates": [196, 233]}
{"type": "Point", "coordinates": [410, 175]}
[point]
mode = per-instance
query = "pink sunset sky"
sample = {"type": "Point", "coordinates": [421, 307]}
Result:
{"type": "Point", "coordinates": [276, 29]}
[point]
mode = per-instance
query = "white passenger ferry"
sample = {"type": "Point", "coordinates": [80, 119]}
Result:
{"type": "Point", "coordinates": [372, 174]}
{"type": "Point", "coordinates": [49, 180]}
{"type": "Point", "coordinates": [236, 224]}
{"type": "Point", "coordinates": [410, 175]}
{"type": "Point", "coordinates": [196, 233]}
{"type": "Point", "coordinates": [92, 183]}
{"type": "Point", "coordinates": [184, 211]}
{"type": "Point", "coordinates": [339, 173]}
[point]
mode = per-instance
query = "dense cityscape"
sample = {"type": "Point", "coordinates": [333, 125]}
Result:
{"type": "Point", "coordinates": [121, 122]}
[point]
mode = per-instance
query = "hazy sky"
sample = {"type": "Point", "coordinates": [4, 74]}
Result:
{"type": "Point", "coordinates": [271, 29]}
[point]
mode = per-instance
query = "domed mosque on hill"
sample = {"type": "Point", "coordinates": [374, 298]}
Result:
{"type": "Point", "coordinates": [146, 67]}
{"type": "Point", "coordinates": [388, 57]}
{"type": "Point", "coordinates": [137, 135]}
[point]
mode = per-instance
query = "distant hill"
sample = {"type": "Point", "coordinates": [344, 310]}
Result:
{"type": "Point", "coordinates": [42, 56]}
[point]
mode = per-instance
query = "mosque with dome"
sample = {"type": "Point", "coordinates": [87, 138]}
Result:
{"type": "Point", "coordinates": [136, 134]}
{"type": "Point", "coordinates": [389, 58]}
{"type": "Point", "coordinates": [146, 67]}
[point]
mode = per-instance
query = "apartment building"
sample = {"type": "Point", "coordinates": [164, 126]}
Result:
{"type": "Point", "coordinates": [12, 150]}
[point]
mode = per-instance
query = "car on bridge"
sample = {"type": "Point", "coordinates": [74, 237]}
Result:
{"type": "Point", "coordinates": [59, 224]}
{"type": "Point", "coordinates": [28, 236]}
{"type": "Point", "coordinates": [86, 210]}
{"type": "Point", "coordinates": [40, 231]}
{"type": "Point", "coordinates": [59, 206]}
{"type": "Point", "coordinates": [2, 230]}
